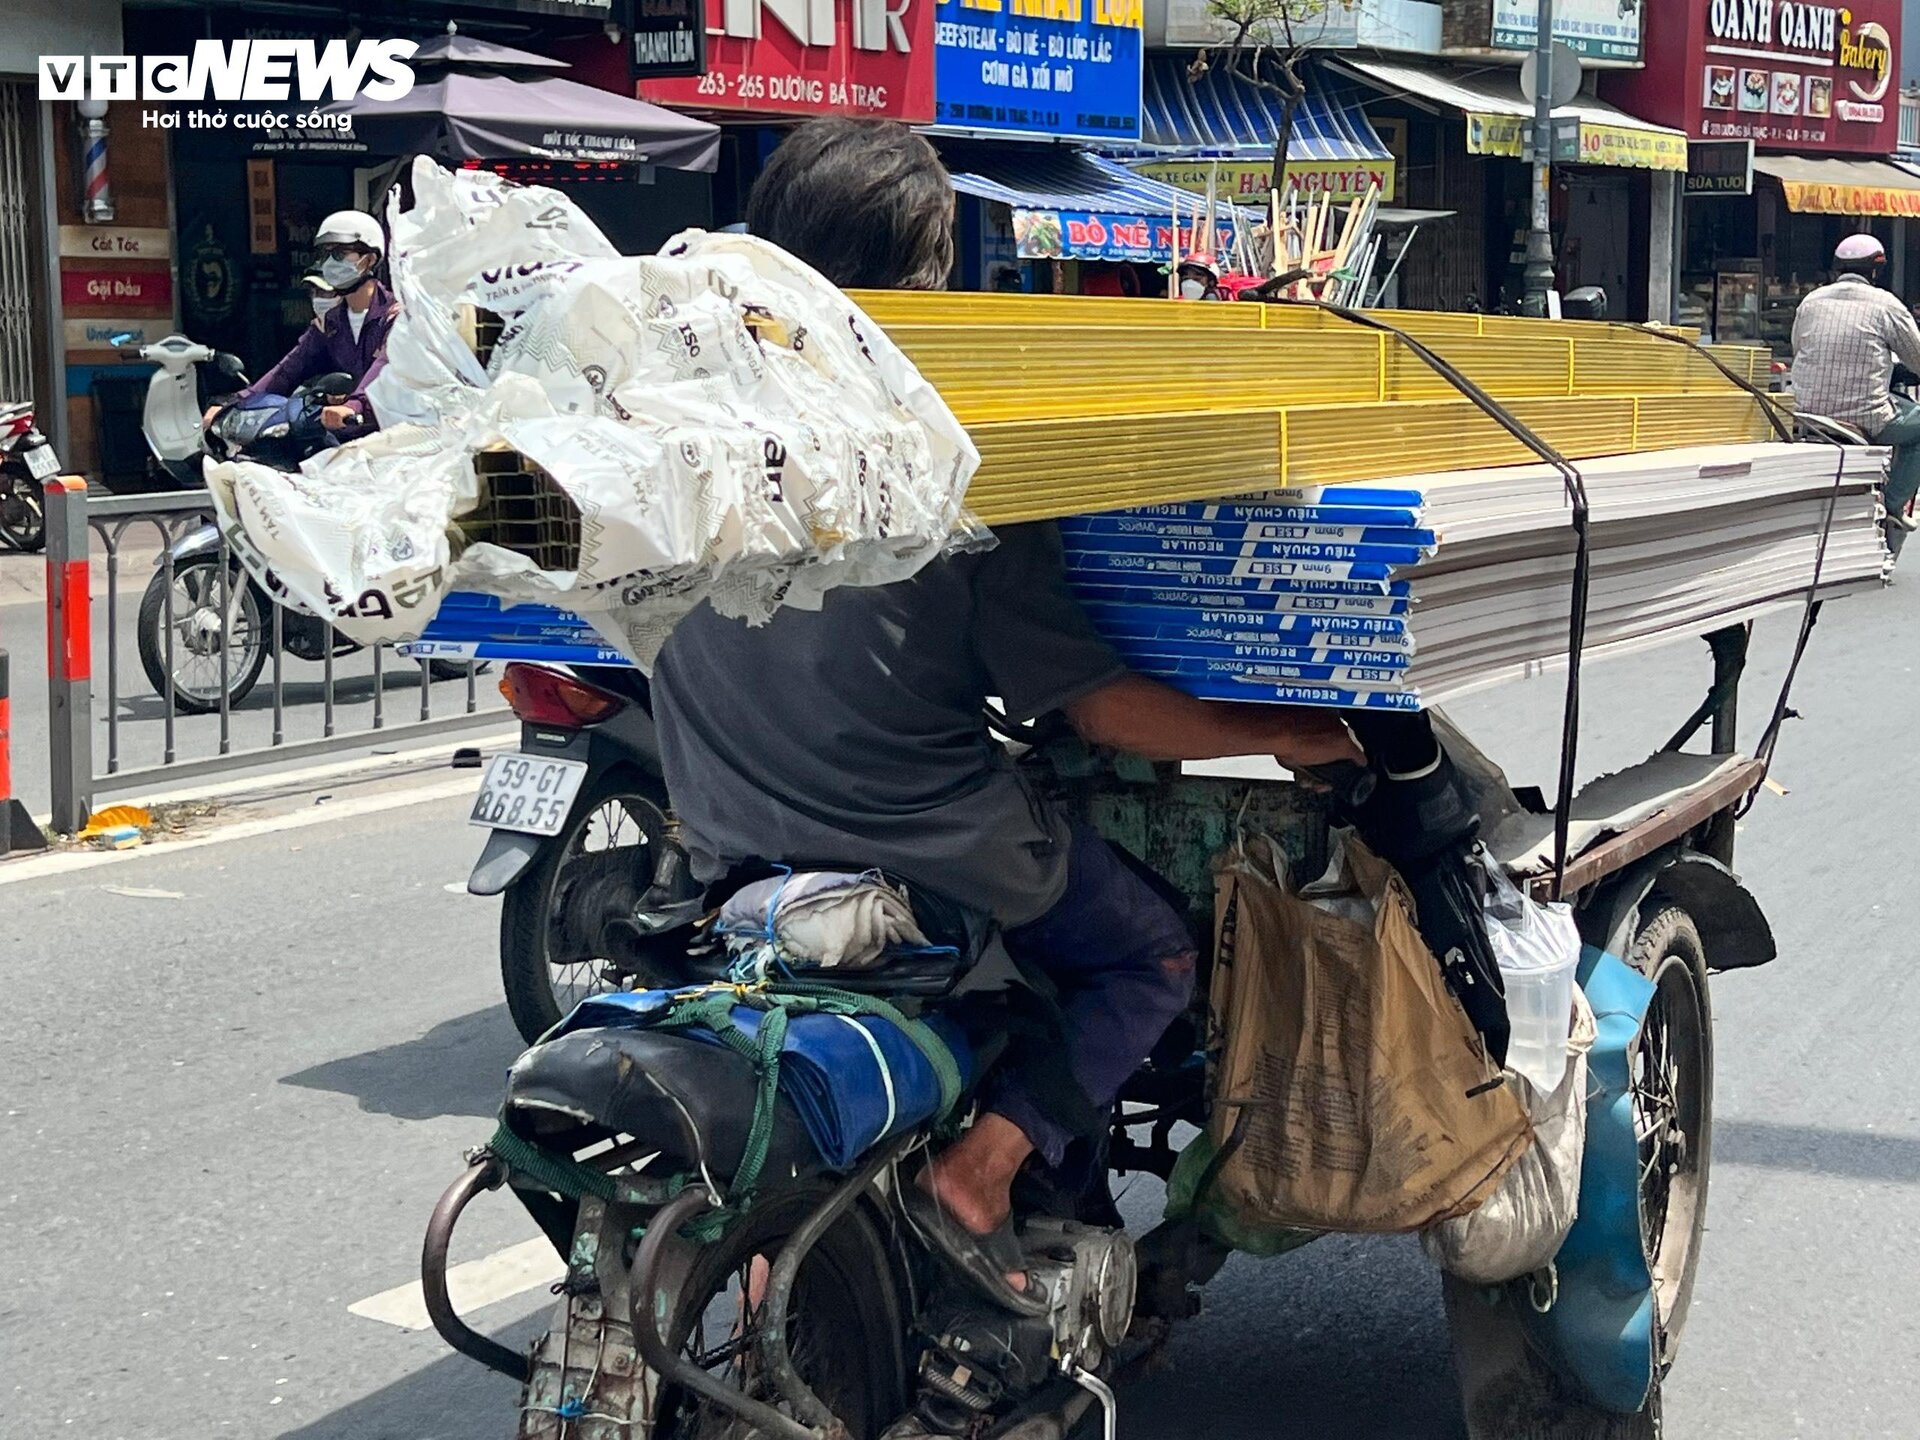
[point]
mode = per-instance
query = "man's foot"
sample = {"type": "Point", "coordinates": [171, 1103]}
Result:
{"type": "Point", "coordinates": [963, 1205]}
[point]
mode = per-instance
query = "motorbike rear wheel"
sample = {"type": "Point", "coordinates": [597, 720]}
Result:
{"type": "Point", "coordinates": [593, 871]}
{"type": "Point", "coordinates": [846, 1325]}
{"type": "Point", "coordinates": [200, 631]}
{"type": "Point", "coordinates": [23, 520]}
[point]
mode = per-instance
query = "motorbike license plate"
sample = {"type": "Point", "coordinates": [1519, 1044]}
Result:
{"type": "Point", "coordinates": [527, 793]}
{"type": "Point", "coordinates": [42, 462]}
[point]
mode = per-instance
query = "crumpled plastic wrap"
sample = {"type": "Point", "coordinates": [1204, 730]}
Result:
{"type": "Point", "coordinates": [727, 424]}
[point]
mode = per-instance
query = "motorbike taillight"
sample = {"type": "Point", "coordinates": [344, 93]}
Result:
{"type": "Point", "coordinates": [544, 696]}
{"type": "Point", "coordinates": [21, 425]}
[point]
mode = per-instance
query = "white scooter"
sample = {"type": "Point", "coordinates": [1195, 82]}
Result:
{"type": "Point", "coordinates": [171, 417]}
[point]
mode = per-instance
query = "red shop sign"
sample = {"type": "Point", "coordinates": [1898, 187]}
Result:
{"type": "Point", "coordinates": [812, 57]}
{"type": "Point", "coordinates": [128, 291]}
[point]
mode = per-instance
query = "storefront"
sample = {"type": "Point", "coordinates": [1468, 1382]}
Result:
{"type": "Point", "coordinates": [1615, 182]}
{"type": "Point", "coordinates": [1809, 90]}
{"type": "Point", "coordinates": [60, 258]}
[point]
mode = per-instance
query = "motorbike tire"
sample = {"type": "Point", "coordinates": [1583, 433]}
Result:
{"type": "Point", "coordinates": [529, 918]}
{"type": "Point", "coordinates": [150, 635]}
{"type": "Point", "coordinates": [847, 1323]}
{"type": "Point", "coordinates": [1509, 1390]}
{"type": "Point", "coordinates": [23, 516]}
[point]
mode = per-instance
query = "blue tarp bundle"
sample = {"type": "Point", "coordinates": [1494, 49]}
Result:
{"type": "Point", "coordinates": [856, 1080]}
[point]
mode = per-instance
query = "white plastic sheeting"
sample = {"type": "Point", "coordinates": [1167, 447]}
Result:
{"type": "Point", "coordinates": [727, 424]}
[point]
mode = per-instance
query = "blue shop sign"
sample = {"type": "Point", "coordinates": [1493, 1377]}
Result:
{"type": "Point", "coordinates": [1067, 68]}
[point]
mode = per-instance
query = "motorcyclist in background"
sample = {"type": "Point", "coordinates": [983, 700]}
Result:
{"type": "Point", "coordinates": [349, 337]}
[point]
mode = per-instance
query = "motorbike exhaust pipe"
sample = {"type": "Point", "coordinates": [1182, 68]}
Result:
{"type": "Point", "coordinates": [486, 1174]}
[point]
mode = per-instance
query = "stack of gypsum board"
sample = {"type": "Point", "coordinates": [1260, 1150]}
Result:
{"type": "Point", "coordinates": [1080, 404]}
{"type": "Point", "coordinates": [1402, 594]}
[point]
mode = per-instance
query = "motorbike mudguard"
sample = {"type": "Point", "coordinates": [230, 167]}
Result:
{"type": "Point", "coordinates": [1600, 1329]}
{"type": "Point", "coordinates": [201, 540]}
{"type": "Point", "coordinates": [503, 860]}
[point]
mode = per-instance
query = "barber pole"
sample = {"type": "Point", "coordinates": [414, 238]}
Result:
{"type": "Point", "coordinates": [97, 198]}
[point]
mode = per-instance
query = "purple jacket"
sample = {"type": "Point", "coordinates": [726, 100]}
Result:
{"type": "Point", "coordinates": [328, 344]}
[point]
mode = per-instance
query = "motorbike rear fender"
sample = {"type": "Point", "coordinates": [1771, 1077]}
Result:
{"type": "Point", "coordinates": [627, 740]}
{"type": "Point", "coordinates": [1733, 929]}
{"type": "Point", "coordinates": [199, 541]}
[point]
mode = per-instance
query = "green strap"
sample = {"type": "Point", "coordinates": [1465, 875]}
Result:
{"type": "Point", "coordinates": [549, 1169]}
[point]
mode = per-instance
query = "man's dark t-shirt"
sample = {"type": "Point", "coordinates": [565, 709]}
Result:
{"type": "Point", "coordinates": [852, 736]}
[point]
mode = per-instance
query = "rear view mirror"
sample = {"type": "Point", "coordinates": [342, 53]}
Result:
{"type": "Point", "coordinates": [334, 382]}
{"type": "Point", "coordinates": [229, 363]}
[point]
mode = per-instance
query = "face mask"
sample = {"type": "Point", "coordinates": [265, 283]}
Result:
{"type": "Point", "coordinates": [323, 305]}
{"type": "Point", "coordinates": [341, 273]}
{"type": "Point", "coordinates": [1192, 289]}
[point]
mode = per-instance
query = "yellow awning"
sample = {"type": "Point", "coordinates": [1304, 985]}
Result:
{"type": "Point", "coordinates": [1843, 187]}
{"type": "Point", "coordinates": [1500, 120]}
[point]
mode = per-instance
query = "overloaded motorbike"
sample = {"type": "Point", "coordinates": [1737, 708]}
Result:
{"type": "Point", "coordinates": [27, 460]}
{"type": "Point", "coordinates": [718, 1148]}
{"type": "Point", "coordinates": [205, 629]}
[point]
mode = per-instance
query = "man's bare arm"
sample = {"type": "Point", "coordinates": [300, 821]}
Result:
{"type": "Point", "coordinates": [1157, 722]}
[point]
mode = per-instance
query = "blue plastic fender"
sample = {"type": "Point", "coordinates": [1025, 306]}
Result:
{"type": "Point", "coordinates": [1601, 1329]}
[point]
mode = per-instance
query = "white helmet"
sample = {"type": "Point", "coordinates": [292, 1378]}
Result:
{"type": "Point", "coordinates": [351, 227]}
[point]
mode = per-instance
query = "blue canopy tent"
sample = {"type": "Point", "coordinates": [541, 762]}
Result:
{"type": "Point", "coordinates": [1074, 205]}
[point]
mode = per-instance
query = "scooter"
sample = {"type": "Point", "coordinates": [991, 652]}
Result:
{"type": "Point", "coordinates": [170, 418]}
{"type": "Point", "coordinates": [27, 460]}
{"type": "Point", "coordinates": [205, 627]}
{"type": "Point", "coordinates": [204, 638]}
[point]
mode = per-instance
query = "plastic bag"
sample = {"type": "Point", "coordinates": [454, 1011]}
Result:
{"type": "Point", "coordinates": [1522, 1225]}
{"type": "Point", "coordinates": [1351, 1086]}
{"type": "Point", "coordinates": [718, 421]}
{"type": "Point", "coordinates": [1538, 949]}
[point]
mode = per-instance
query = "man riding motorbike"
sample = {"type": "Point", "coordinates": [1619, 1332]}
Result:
{"type": "Point", "coordinates": [855, 735]}
{"type": "Point", "coordinates": [350, 336]}
{"type": "Point", "coordinates": [1846, 337]}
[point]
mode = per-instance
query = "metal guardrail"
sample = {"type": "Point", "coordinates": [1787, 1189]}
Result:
{"type": "Point", "coordinates": [230, 619]}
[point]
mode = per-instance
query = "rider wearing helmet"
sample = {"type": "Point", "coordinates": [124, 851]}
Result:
{"type": "Point", "coordinates": [352, 335]}
{"type": "Point", "coordinates": [1199, 277]}
{"type": "Point", "coordinates": [1846, 337]}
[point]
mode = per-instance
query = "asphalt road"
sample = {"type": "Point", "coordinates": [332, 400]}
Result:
{"type": "Point", "coordinates": [236, 1078]}
{"type": "Point", "coordinates": [129, 718]}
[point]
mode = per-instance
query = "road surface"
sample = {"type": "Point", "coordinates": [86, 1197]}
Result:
{"type": "Point", "coordinates": [237, 1077]}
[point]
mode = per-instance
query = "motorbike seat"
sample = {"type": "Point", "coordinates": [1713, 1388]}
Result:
{"type": "Point", "coordinates": [693, 1100]}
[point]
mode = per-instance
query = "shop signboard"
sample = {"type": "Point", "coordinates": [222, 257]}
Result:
{"type": "Point", "coordinates": [666, 38]}
{"type": "Point", "coordinates": [1720, 167]}
{"type": "Point", "coordinates": [1068, 68]}
{"type": "Point", "coordinates": [1080, 235]}
{"type": "Point", "coordinates": [1787, 75]}
{"type": "Point", "coordinates": [1579, 140]}
{"type": "Point", "coordinates": [143, 290]}
{"type": "Point", "coordinates": [102, 334]}
{"type": "Point", "coordinates": [1592, 29]}
{"type": "Point", "coordinates": [1247, 182]}
{"type": "Point", "coordinates": [812, 57]}
{"type": "Point", "coordinates": [115, 242]}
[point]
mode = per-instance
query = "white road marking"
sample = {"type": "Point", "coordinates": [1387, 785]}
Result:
{"type": "Point", "coordinates": [470, 1286]}
{"type": "Point", "coordinates": [68, 862]}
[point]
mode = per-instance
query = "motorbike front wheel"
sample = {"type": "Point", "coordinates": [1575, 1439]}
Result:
{"type": "Point", "coordinates": [23, 519]}
{"type": "Point", "coordinates": [201, 632]}
{"type": "Point", "coordinates": [593, 871]}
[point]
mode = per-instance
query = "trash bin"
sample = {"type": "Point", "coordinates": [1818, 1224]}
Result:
{"type": "Point", "coordinates": [119, 398]}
